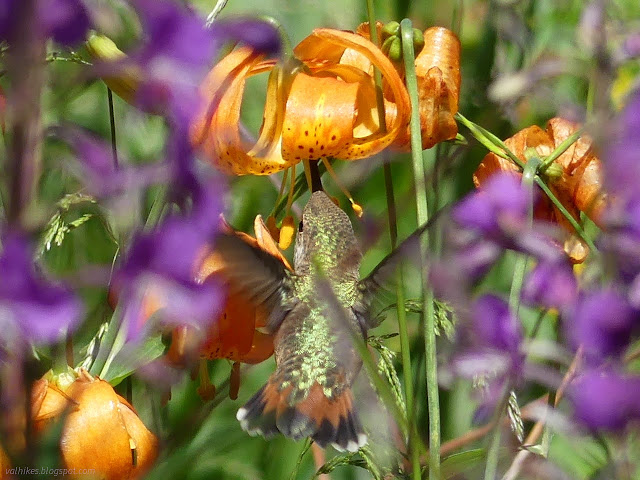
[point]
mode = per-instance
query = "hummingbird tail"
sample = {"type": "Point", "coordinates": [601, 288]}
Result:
{"type": "Point", "coordinates": [327, 421]}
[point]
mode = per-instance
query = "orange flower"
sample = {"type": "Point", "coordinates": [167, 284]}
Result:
{"type": "Point", "coordinates": [578, 186]}
{"type": "Point", "coordinates": [235, 334]}
{"type": "Point", "coordinates": [438, 74]}
{"type": "Point", "coordinates": [101, 429]}
{"type": "Point", "coordinates": [322, 104]}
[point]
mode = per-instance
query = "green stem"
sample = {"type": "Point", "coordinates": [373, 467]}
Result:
{"type": "Point", "coordinates": [433, 400]}
{"type": "Point", "coordinates": [577, 227]}
{"type": "Point", "coordinates": [493, 453]}
{"type": "Point", "coordinates": [489, 140]}
{"type": "Point", "coordinates": [112, 124]}
{"type": "Point", "coordinates": [560, 149]}
{"type": "Point", "coordinates": [405, 349]}
{"type": "Point", "coordinates": [157, 208]}
{"type": "Point", "coordinates": [528, 176]}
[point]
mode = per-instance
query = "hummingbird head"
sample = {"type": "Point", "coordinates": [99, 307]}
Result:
{"type": "Point", "coordinates": [325, 237]}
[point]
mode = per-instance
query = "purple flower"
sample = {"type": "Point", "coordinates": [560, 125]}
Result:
{"type": "Point", "coordinates": [453, 276]}
{"type": "Point", "coordinates": [502, 203]}
{"type": "Point", "coordinates": [605, 399]}
{"type": "Point", "coordinates": [550, 284]}
{"type": "Point", "coordinates": [177, 52]}
{"type": "Point", "coordinates": [159, 272]}
{"type": "Point", "coordinates": [490, 342]}
{"type": "Point", "coordinates": [602, 322]}
{"type": "Point", "coordinates": [98, 170]}
{"type": "Point", "coordinates": [66, 21]}
{"type": "Point", "coordinates": [31, 308]}
{"type": "Point", "coordinates": [622, 169]}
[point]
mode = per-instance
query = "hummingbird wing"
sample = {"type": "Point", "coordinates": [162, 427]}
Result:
{"type": "Point", "coordinates": [378, 289]}
{"type": "Point", "coordinates": [258, 275]}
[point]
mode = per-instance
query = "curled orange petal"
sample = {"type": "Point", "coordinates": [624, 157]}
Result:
{"type": "Point", "coordinates": [578, 188]}
{"type": "Point", "coordinates": [321, 52]}
{"type": "Point", "coordinates": [438, 75]}
{"type": "Point", "coordinates": [217, 129]}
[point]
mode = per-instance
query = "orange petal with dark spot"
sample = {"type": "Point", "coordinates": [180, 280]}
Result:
{"type": "Point", "coordinates": [321, 52]}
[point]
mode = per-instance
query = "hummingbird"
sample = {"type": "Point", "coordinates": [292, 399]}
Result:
{"type": "Point", "coordinates": [309, 394]}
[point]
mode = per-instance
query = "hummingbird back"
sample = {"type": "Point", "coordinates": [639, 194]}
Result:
{"type": "Point", "coordinates": [309, 394]}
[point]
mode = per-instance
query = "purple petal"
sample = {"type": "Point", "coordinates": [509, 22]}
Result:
{"type": "Point", "coordinates": [602, 322]}
{"type": "Point", "coordinates": [622, 169]}
{"type": "Point", "coordinates": [178, 303]}
{"type": "Point", "coordinates": [494, 325]}
{"type": "Point", "coordinates": [605, 400]}
{"type": "Point", "coordinates": [502, 199]}
{"type": "Point", "coordinates": [98, 170]}
{"type": "Point", "coordinates": [66, 21]}
{"type": "Point", "coordinates": [260, 35]}
{"type": "Point", "coordinates": [552, 285]}
{"type": "Point", "coordinates": [175, 32]}
{"type": "Point", "coordinates": [43, 311]}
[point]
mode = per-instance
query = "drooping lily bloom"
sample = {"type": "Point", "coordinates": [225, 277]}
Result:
{"type": "Point", "coordinates": [579, 186]}
{"type": "Point", "coordinates": [234, 332]}
{"type": "Point", "coordinates": [236, 335]}
{"type": "Point", "coordinates": [438, 74]}
{"type": "Point", "coordinates": [321, 104]}
{"type": "Point", "coordinates": [101, 429]}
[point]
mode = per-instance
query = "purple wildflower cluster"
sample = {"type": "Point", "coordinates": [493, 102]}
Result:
{"type": "Point", "coordinates": [161, 260]}
{"type": "Point", "coordinates": [600, 317]}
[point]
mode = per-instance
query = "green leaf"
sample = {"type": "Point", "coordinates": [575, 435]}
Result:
{"type": "Point", "coordinates": [130, 359]}
{"type": "Point", "coordinates": [461, 462]}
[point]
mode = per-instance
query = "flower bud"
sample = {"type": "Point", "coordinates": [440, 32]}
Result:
{"type": "Point", "coordinates": [101, 429]}
{"type": "Point", "coordinates": [125, 84]}
{"type": "Point", "coordinates": [391, 29]}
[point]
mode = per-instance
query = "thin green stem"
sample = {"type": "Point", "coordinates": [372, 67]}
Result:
{"type": "Point", "coordinates": [407, 373]}
{"type": "Point", "coordinates": [528, 176]}
{"type": "Point", "coordinates": [433, 400]}
{"type": "Point", "coordinates": [491, 467]}
{"type": "Point", "coordinates": [560, 149]}
{"type": "Point", "coordinates": [489, 140]}
{"type": "Point", "coordinates": [157, 208]}
{"type": "Point", "coordinates": [574, 223]}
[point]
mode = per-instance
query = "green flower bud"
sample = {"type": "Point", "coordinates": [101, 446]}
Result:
{"type": "Point", "coordinates": [391, 29]}
{"type": "Point", "coordinates": [418, 41]}
{"type": "Point", "coordinates": [395, 49]}
{"type": "Point", "coordinates": [553, 172]}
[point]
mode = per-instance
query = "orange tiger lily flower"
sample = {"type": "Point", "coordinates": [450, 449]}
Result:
{"type": "Point", "coordinates": [322, 106]}
{"type": "Point", "coordinates": [438, 76]}
{"type": "Point", "coordinates": [235, 334]}
{"type": "Point", "coordinates": [101, 429]}
{"type": "Point", "coordinates": [579, 185]}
